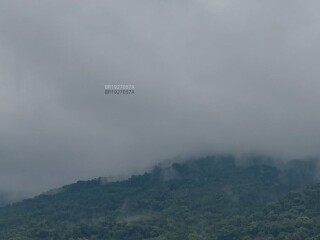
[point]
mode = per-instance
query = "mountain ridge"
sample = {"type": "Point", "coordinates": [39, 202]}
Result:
{"type": "Point", "coordinates": [197, 199]}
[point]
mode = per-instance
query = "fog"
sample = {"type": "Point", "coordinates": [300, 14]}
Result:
{"type": "Point", "coordinates": [210, 77]}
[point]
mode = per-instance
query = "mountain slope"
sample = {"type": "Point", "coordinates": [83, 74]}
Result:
{"type": "Point", "coordinates": [297, 216]}
{"type": "Point", "coordinates": [211, 198]}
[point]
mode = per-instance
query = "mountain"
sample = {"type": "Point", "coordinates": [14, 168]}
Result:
{"type": "Point", "coordinates": [210, 198]}
{"type": "Point", "coordinates": [4, 199]}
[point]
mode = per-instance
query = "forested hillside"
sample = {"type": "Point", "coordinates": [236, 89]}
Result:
{"type": "Point", "coordinates": [209, 198]}
{"type": "Point", "coordinates": [3, 199]}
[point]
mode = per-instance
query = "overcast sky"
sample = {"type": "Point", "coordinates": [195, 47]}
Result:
{"type": "Point", "coordinates": [210, 77]}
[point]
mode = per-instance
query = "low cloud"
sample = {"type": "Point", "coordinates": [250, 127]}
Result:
{"type": "Point", "coordinates": [209, 77]}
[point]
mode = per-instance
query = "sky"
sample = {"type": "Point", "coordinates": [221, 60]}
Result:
{"type": "Point", "coordinates": [210, 77]}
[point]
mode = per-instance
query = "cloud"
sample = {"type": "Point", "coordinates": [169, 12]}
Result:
{"type": "Point", "coordinates": [210, 77]}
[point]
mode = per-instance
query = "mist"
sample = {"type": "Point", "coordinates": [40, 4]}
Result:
{"type": "Point", "coordinates": [210, 77]}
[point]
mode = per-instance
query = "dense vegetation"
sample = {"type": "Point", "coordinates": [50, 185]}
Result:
{"type": "Point", "coordinates": [211, 198]}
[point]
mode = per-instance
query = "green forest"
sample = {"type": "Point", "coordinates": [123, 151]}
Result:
{"type": "Point", "coordinates": [214, 198]}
